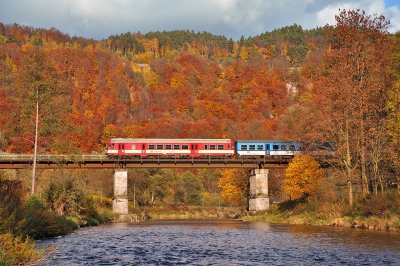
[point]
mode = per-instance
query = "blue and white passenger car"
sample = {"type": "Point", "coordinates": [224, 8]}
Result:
{"type": "Point", "coordinates": [267, 148]}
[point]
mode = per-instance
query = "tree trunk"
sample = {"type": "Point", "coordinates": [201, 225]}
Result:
{"type": "Point", "coordinates": [35, 148]}
{"type": "Point", "coordinates": [364, 178]}
{"type": "Point", "coordinates": [350, 186]}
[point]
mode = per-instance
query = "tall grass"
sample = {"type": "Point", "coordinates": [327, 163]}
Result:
{"type": "Point", "coordinates": [17, 250]}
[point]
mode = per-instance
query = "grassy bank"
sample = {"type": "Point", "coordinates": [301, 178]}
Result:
{"type": "Point", "coordinates": [190, 212]}
{"type": "Point", "coordinates": [380, 212]}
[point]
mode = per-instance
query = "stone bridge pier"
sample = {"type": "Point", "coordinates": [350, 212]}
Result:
{"type": "Point", "coordinates": [258, 198]}
{"type": "Point", "coordinates": [120, 201]}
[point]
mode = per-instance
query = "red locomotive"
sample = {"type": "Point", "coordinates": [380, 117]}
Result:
{"type": "Point", "coordinates": [127, 147]}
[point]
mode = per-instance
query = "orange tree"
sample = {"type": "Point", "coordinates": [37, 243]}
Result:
{"type": "Point", "coordinates": [234, 185]}
{"type": "Point", "coordinates": [302, 177]}
{"type": "Point", "coordinates": [349, 98]}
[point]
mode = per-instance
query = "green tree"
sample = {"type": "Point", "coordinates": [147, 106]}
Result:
{"type": "Point", "coordinates": [64, 197]}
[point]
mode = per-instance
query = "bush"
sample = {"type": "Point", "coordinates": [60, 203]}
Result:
{"type": "Point", "coordinates": [89, 209]}
{"type": "Point", "coordinates": [42, 223]}
{"type": "Point", "coordinates": [381, 204]}
{"type": "Point", "coordinates": [17, 250]}
{"type": "Point", "coordinates": [64, 197]}
{"type": "Point", "coordinates": [35, 203]}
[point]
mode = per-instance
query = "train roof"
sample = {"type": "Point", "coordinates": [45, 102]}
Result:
{"type": "Point", "coordinates": [131, 140]}
{"type": "Point", "coordinates": [265, 141]}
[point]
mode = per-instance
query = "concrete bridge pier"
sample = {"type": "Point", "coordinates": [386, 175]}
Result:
{"type": "Point", "coordinates": [259, 199]}
{"type": "Point", "coordinates": [120, 201]}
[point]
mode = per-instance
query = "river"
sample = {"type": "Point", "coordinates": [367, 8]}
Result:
{"type": "Point", "coordinates": [222, 242]}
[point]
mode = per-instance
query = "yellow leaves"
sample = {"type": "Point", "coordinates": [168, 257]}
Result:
{"type": "Point", "coordinates": [3, 39]}
{"type": "Point", "coordinates": [151, 78]}
{"type": "Point", "coordinates": [132, 131]}
{"type": "Point", "coordinates": [234, 185]}
{"type": "Point", "coordinates": [235, 48]}
{"type": "Point", "coordinates": [86, 95]}
{"type": "Point", "coordinates": [109, 131]}
{"type": "Point", "coordinates": [177, 80]}
{"type": "Point", "coordinates": [302, 177]}
{"type": "Point", "coordinates": [244, 54]}
{"type": "Point", "coordinates": [89, 114]}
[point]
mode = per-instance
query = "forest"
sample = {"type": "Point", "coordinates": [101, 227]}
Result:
{"type": "Point", "coordinates": [338, 83]}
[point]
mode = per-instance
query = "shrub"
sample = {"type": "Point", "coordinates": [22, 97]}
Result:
{"type": "Point", "coordinates": [89, 209]}
{"type": "Point", "coordinates": [35, 203]}
{"type": "Point", "coordinates": [381, 204]}
{"type": "Point", "coordinates": [17, 250]}
{"type": "Point", "coordinates": [42, 223]}
{"type": "Point", "coordinates": [64, 197]}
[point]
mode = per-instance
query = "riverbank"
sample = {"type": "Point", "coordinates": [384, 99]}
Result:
{"type": "Point", "coordinates": [189, 212]}
{"type": "Point", "coordinates": [391, 223]}
{"type": "Point", "coordinates": [380, 212]}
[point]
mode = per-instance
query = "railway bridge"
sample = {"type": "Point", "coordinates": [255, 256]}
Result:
{"type": "Point", "coordinates": [259, 166]}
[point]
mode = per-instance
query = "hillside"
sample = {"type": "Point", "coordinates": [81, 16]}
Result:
{"type": "Point", "coordinates": [162, 84]}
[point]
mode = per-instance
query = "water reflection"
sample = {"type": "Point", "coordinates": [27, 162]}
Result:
{"type": "Point", "coordinates": [223, 242]}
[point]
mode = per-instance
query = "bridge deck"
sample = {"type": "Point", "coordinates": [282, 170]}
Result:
{"type": "Point", "coordinates": [21, 161]}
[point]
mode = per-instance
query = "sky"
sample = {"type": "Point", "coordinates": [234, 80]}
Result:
{"type": "Point", "coordinates": [98, 19]}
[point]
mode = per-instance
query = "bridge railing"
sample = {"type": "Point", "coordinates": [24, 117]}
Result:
{"type": "Point", "coordinates": [52, 157]}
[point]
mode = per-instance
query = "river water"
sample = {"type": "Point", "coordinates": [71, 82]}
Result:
{"type": "Point", "coordinates": [222, 242]}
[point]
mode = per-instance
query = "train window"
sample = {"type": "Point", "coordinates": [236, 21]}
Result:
{"type": "Point", "coordinates": [151, 146]}
{"type": "Point", "coordinates": [243, 147]}
{"type": "Point", "coordinates": [160, 146]}
{"type": "Point", "coordinates": [112, 146]}
{"type": "Point", "coordinates": [267, 147]}
{"type": "Point", "coordinates": [260, 147]}
{"type": "Point", "coordinates": [176, 147]}
{"type": "Point", "coordinates": [292, 148]}
{"type": "Point", "coordinates": [212, 146]}
{"type": "Point", "coordinates": [283, 147]}
{"type": "Point", "coordinates": [185, 147]}
{"type": "Point", "coordinates": [252, 147]}
{"type": "Point", "coordinates": [168, 146]}
{"type": "Point", "coordinates": [220, 147]}
{"type": "Point", "coordinates": [275, 147]}
{"type": "Point", "coordinates": [206, 147]}
{"type": "Point", "coordinates": [229, 146]}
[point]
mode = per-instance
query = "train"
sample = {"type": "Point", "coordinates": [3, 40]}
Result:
{"type": "Point", "coordinates": [197, 148]}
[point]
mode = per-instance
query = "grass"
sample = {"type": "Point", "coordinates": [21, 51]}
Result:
{"type": "Point", "coordinates": [380, 212]}
{"type": "Point", "coordinates": [18, 250]}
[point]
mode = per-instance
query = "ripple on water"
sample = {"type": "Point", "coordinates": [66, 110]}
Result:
{"type": "Point", "coordinates": [222, 242]}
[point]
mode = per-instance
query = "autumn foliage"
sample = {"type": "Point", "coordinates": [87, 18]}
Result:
{"type": "Point", "coordinates": [234, 185]}
{"type": "Point", "coordinates": [338, 83]}
{"type": "Point", "coordinates": [302, 177]}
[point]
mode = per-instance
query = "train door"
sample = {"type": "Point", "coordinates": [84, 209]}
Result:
{"type": "Point", "coordinates": [267, 149]}
{"type": "Point", "coordinates": [121, 148]}
{"type": "Point", "coordinates": [194, 149]}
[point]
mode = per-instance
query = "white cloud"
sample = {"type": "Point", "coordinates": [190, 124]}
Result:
{"type": "Point", "coordinates": [101, 18]}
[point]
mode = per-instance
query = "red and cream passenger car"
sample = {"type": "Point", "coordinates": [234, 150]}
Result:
{"type": "Point", "coordinates": [126, 147]}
